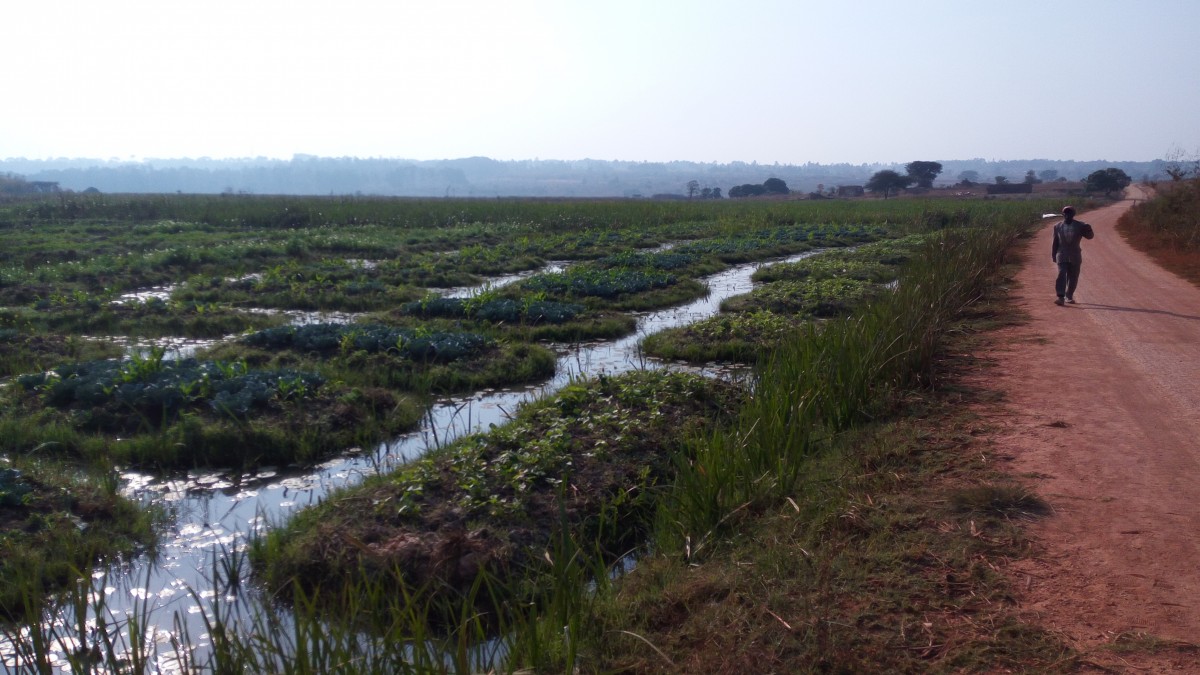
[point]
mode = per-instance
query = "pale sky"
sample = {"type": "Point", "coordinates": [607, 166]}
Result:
{"type": "Point", "coordinates": [645, 80]}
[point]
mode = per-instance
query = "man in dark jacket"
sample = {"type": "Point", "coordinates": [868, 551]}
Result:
{"type": "Point", "coordinates": [1067, 253]}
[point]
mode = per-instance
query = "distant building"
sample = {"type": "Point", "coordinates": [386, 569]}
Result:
{"type": "Point", "coordinates": [43, 186]}
{"type": "Point", "coordinates": [850, 191]}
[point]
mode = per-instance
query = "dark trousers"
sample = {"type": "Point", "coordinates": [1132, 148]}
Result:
{"type": "Point", "coordinates": [1068, 278]}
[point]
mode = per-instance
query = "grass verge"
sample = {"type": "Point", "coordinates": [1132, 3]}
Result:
{"type": "Point", "coordinates": [1166, 229]}
{"type": "Point", "coordinates": [884, 553]}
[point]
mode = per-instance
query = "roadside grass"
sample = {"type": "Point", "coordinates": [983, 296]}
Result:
{"type": "Point", "coordinates": [1165, 227]}
{"type": "Point", "coordinates": [1141, 643]}
{"type": "Point", "coordinates": [1004, 501]}
{"type": "Point", "coordinates": [869, 568]}
{"type": "Point", "coordinates": [886, 553]}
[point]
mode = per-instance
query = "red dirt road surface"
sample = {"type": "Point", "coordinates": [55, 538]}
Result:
{"type": "Point", "coordinates": [1101, 419]}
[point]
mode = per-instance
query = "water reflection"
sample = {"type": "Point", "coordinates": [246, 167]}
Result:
{"type": "Point", "coordinates": [503, 280]}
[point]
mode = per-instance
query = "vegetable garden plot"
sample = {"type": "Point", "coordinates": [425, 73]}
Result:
{"type": "Point", "coordinates": [413, 344]}
{"type": "Point", "coordinates": [742, 337]}
{"type": "Point", "coordinates": [820, 298]}
{"type": "Point", "coordinates": [123, 396]}
{"type": "Point", "coordinates": [877, 262]}
{"type": "Point", "coordinates": [827, 284]}
{"type": "Point", "coordinates": [502, 310]}
{"type": "Point", "coordinates": [151, 411]}
{"type": "Point", "coordinates": [605, 283]}
{"type": "Point", "coordinates": [587, 459]}
{"type": "Point", "coordinates": [778, 241]}
{"type": "Point", "coordinates": [149, 318]}
{"type": "Point", "coordinates": [417, 360]}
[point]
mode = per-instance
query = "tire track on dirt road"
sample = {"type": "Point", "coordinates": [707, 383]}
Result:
{"type": "Point", "coordinates": [1101, 418]}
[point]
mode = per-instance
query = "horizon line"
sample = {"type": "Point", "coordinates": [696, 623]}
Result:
{"type": "Point", "coordinates": [134, 159]}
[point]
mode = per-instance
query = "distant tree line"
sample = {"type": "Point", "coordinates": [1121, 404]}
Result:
{"type": "Point", "coordinates": [971, 178]}
{"type": "Point", "coordinates": [484, 177]}
{"type": "Point", "coordinates": [921, 173]}
{"type": "Point", "coordinates": [694, 190]}
{"type": "Point", "coordinates": [771, 186]}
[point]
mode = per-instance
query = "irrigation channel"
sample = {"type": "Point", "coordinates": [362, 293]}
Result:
{"type": "Point", "coordinates": [212, 514]}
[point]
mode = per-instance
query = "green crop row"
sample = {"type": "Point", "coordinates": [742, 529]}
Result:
{"type": "Point", "coordinates": [607, 283]}
{"type": "Point", "coordinates": [412, 344]}
{"type": "Point", "coordinates": [502, 310]}
{"type": "Point", "coordinates": [109, 395]}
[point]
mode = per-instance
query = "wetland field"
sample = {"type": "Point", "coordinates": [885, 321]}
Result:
{"type": "Point", "coordinates": [251, 434]}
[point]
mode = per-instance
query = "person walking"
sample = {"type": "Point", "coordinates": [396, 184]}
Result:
{"type": "Point", "coordinates": [1067, 253]}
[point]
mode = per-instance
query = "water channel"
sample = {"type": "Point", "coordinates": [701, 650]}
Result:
{"type": "Point", "coordinates": [214, 513]}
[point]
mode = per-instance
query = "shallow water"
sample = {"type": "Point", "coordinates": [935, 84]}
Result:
{"type": "Point", "coordinates": [153, 293]}
{"type": "Point", "coordinates": [502, 280]}
{"type": "Point", "coordinates": [214, 512]}
{"type": "Point", "coordinates": [181, 348]}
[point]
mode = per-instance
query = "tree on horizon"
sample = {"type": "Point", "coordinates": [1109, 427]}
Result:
{"type": "Point", "coordinates": [886, 181]}
{"type": "Point", "coordinates": [1108, 181]}
{"type": "Point", "coordinates": [923, 173]}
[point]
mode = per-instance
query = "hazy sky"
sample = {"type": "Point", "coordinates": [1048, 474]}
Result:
{"type": "Point", "coordinates": [750, 80]}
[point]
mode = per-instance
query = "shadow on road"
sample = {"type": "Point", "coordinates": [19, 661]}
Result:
{"type": "Point", "coordinates": [1114, 308]}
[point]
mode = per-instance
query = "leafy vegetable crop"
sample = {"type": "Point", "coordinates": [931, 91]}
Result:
{"type": "Point", "coordinates": [414, 344]}
{"type": "Point", "coordinates": [663, 260]}
{"type": "Point", "coordinates": [504, 310]}
{"type": "Point", "coordinates": [160, 390]}
{"type": "Point", "coordinates": [601, 283]}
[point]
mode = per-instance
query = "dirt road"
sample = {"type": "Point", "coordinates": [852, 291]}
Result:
{"type": "Point", "coordinates": [1102, 420]}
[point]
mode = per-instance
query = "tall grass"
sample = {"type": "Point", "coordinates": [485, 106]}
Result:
{"type": "Point", "coordinates": [831, 376]}
{"type": "Point", "coordinates": [1166, 227]}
